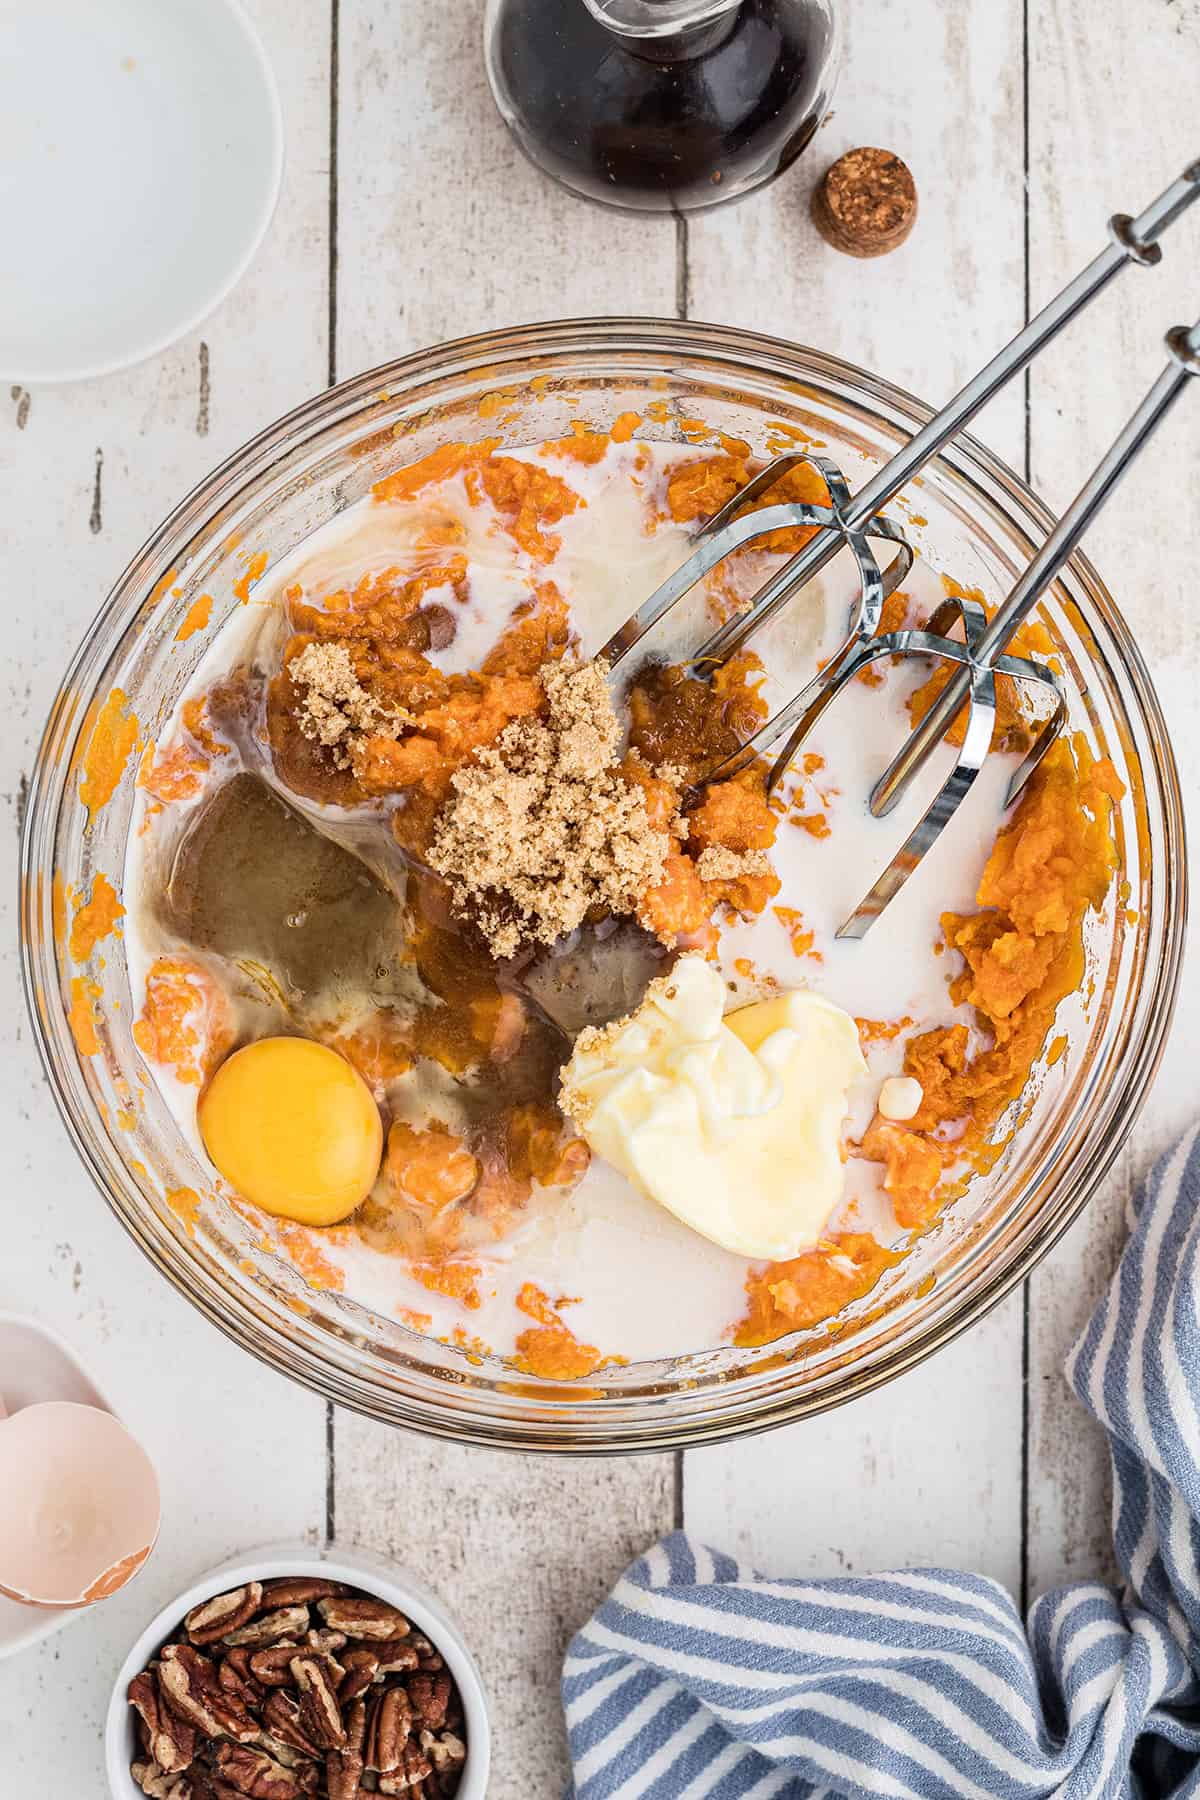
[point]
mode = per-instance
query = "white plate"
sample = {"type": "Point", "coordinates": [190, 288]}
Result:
{"type": "Point", "coordinates": [35, 1364]}
{"type": "Point", "coordinates": [141, 148]}
{"type": "Point", "coordinates": [359, 1569]}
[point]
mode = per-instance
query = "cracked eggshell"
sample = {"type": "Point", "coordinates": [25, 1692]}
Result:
{"type": "Point", "coordinates": [79, 1505]}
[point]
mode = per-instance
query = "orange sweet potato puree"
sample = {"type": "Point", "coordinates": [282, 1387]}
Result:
{"type": "Point", "coordinates": [794, 1295]}
{"type": "Point", "coordinates": [1021, 953]}
{"type": "Point", "coordinates": [196, 619]}
{"type": "Point", "coordinates": [95, 918]}
{"type": "Point", "coordinates": [186, 1024]}
{"type": "Point", "coordinates": [110, 745]}
{"type": "Point", "coordinates": [81, 1016]}
{"type": "Point", "coordinates": [549, 1348]}
{"type": "Point", "coordinates": [430, 1168]}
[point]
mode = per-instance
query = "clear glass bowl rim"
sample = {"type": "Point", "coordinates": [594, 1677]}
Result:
{"type": "Point", "coordinates": [500, 354]}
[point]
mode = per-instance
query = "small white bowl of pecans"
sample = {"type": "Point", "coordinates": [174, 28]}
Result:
{"type": "Point", "coordinates": [292, 1676]}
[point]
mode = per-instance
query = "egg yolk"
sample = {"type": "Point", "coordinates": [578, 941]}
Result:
{"type": "Point", "coordinates": [294, 1128]}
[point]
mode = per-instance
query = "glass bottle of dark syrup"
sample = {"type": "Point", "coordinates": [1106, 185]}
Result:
{"type": "Point", "coordinates": [661, 105]}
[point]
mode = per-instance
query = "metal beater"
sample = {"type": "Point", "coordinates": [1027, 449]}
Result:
{"type": "Point", "coordinates": [856, 523]}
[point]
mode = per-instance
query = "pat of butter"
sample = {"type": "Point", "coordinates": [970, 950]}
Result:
{"type": "Point", "coordinates": [900, 1098]}
{"type": "Point", "coordinates": [733, 1123]}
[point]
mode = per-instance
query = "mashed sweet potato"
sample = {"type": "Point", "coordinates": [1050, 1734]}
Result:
{"type": "Point", "coordinates": [799, 1293]}
{"type": "Point", "coordinates": [549, 1348]}
{"type": "Point", "coordinates": [186, 1024]}
{"type": "Point", "coordinates": [1021, 954]}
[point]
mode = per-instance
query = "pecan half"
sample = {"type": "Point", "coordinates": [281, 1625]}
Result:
{"type": "Point", "coordinates": [300, 1590]}
{"type": "Point", "coordinates": [190, 1686]}
{"type": "Point", "coordinates": [286, 1621]}
{"type": "Point", "coordinates": [417, 1768]}
{"type": "Point", "coordinates": [447, 1752]}
{"type": "Point", "coordinates": [427, 1656]}
{"type": "Point", "coordinates": [255, 1774]}
{"type": "Point", "coordinates": [361, 1616]}
{"type": "Point", "coordinates": [224, 1612]}
{"type": "Point", "coordinates": [169, 1741]}
{"type": "Point", "coordinates": [207, 1786]}
{"type": "Point", "coordinates": [335, 1668]}
{"type": "Point", "coordinates": [360, 1668]}
{"type": "Point", "coordinates": [396, 1658]}
{"type": "Point", "coordinates": [430, 1696]}
{"type": "Point", "coordinates": [389, 1722]}
{"type": "Point", "coordinates": [158, 1785]}
{"type": "Point", "coordinates": [235, 1676]}
{"type": "Point", "coordinates": [325, 1643]}
{"type": "Point", "coordinates": [272, 1667]}
{"type": "Point", "coordinates": [320, 1714]}
{"type": "Point", "coordinates": [283, 1753]}
{"type": "Point", "coordinates": [281, 1717]}
{"type": "Point", "coordinates": [344, 1767]}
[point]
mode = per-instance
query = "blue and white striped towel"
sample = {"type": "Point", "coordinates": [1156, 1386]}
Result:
{"type": "Point", "coordinates": [699, 1678]}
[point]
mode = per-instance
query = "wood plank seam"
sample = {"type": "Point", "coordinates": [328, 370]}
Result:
{"type": "Point", "coordinates": [1027, 399]}
{"type": "Point", "coordinates": [331, 379]}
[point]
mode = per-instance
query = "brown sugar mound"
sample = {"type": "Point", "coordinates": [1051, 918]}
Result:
{"type": "Point", "coordinates": [718, 863]}
{"type": "Point", "coordinates": [543, 827]}
{"type": "Point", "coordinates": [336, 710]}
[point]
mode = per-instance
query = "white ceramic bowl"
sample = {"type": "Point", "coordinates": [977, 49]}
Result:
{"type": "Point", "coordinates": [143, 155]}
{"type": "Point", "coordinates": [358, 1569]}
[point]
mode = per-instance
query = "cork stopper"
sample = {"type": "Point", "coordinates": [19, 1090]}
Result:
{"type": "Point", "coordinates": [866, 204]}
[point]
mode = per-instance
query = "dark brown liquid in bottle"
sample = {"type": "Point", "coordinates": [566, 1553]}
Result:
{"type": "Point", "coordinates": [663, 125]}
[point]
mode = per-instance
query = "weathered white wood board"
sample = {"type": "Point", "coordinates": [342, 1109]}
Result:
{"type": "Point", "coordinates": [928, 1469]}
{"type": "Point", "coordinates": [1113, 118]}
{"type": "Point", "coordinates": [439, 228]}
{"type": "Point", "coordinates": [444, 228]}
{"type": "Point", "coordinates": [520, 1548]}
{"type": "Point", "coordinates": [88, 470]}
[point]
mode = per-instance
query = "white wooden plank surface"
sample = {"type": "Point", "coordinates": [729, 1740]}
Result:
{"type": "Point", "coordinates": [443, 228]}
{"type": "Point", "coordinates": [928, 1469]}
{"type": "Point", "coordinates": [240, 1451]}
{"type": "Point", "coordinates": [520, 1548]}
{"type": "Point", "coordinates": [1087, 159]}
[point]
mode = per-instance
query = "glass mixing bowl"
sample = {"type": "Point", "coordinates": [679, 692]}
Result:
{"type": "Point", "coordinates": [976, 518]}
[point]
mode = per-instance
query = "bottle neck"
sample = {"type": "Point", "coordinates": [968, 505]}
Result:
{"type": "Point", "coordinates": [665, 30]}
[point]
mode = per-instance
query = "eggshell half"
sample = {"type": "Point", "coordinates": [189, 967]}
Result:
{"type": "Point", "coordinates": [79, 1505]}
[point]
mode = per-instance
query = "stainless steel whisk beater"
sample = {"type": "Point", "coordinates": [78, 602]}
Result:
{"type": "Point", "coordinates": [855, 522]}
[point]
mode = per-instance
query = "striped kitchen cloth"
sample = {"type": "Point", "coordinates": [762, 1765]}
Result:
{"type": "Point", "coordinates": [700, 1678]}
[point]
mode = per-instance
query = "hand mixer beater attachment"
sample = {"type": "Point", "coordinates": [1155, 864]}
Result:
{"type": "Point", "coordinates": [978, 654]}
